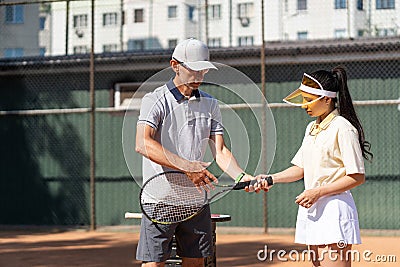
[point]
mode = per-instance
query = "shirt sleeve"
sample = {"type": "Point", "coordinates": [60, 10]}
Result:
{"type": "Point", "coordinates": [216, 120]}
{"type": "Point", "coordinates": [150, 111]}
{"type": "Point", "coordinates": [351, 151]}
{"type": "Point", "coordinates": [298, 158]}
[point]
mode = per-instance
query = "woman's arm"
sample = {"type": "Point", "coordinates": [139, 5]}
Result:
{"type": "Point", "coordinates": [310, 196]}
{"type": "Point", "coordinates": [291, 174]}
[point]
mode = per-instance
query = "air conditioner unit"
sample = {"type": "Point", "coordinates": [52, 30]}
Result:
{"type": "Point", "coordinates": [245, 21]}
{"type": "Point", "coordinates": [79, 33]}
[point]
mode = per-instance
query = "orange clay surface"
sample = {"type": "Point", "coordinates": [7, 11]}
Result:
{"type": "Point", "coordinates": [22, 248]}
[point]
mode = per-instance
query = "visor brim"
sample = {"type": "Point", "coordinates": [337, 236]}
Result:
{"type": "Point", "coordinates": [296, 99]}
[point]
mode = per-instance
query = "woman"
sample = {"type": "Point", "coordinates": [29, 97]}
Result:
{"type": "Point", "coordinates": [331, 161]}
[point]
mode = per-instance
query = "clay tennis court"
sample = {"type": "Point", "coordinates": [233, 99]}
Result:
{"type": "Point", "coordinates": [116, 247]}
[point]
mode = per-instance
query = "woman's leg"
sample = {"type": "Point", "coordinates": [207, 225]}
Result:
{"type": "Point", "coordinates": [331, 255]}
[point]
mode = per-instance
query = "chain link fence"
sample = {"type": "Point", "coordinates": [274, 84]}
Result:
{"type": "Point", "coordinates": [48, 78]}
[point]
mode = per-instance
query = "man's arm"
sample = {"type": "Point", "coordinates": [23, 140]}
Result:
{"type": "Point", "coordinates": [225, 159]}
{"type": "Point", "coordinates": [147, 146]}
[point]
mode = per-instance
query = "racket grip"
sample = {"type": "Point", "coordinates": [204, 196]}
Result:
{"type": "Point", "coordinates": [242, 185]}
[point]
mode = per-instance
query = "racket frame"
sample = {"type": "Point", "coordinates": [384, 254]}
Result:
{"type": "Point", "coordinates": [229, 187]}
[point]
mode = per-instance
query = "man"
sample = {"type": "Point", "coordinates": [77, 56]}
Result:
{"type": "Point", "coordinates": [176, 123]}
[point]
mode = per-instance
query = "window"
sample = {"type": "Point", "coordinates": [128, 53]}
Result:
{"type": "Point", "coordinates": [246, 41]}
{"type": "Point", "coordinates": [15, 14]}
{"type": "Point", "coordinates": [13, 52]}
{"type": "Point", "coordinates": [245, 10]}
{"type": "Point", "coordinates": [42, 23]}
{"type": "Point", "coordinates": [172, 12]}
{"type": "Point", "coordinates": [81, 49]}
{"type": "Point", "coordinates": [138, 15]}
{"type": "Point", "coordinates": [110, 48]}
{"type": "Point", "coordinates": [214, 12]}
{"type": "Point", "coordinates": [340, 4]}
{"type": "Point", "coordinates": [302, 35]}
{"type": "Point", "coordinates": [340, 33]}
{"type": "Point", "coordinates": [301, 4]}
{"type": "Point", "coordinates": [191, 10]}
{"type": "Point", "coordinates": [214, 42]}
{"type": "Point", "coordinates": [128, 94]}
{"type": "Point", "coordinates": [42, 51]}
{"type": "Point", "coordinates": [384, 4]}
{"type": "Point", "coordinates": [361, 33]}
{"type": "Point", "coordinates": [80, 21]}
{"type": "Point", "coordinates": [110, 19]}
{"type": "Point", "coordinates": [136, 45]}
{"type": "Point", "coordinates": [172, 43]}
{"type": "Point", "coordinates": [360, 5]}
{"type": "Point", "coordinates": [386, 32]}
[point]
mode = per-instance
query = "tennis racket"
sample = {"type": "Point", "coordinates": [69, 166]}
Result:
{"type": "Point", "coordinates": [171, 197]}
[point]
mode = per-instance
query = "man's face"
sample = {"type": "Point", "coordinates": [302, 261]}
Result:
{"type": "Point", "coordinates": [187, 76]}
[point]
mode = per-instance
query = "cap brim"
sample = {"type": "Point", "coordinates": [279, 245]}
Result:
{"type": "Point", "coordinates": [200, 65]}
{"type": "Point", "coordinates": [296, 99]}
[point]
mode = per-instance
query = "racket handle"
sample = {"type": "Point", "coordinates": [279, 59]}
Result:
{"type": "Point", "coordinates": [242, 185]}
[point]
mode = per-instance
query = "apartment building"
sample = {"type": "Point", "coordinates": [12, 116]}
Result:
{"type": "Point", "coordinates": [334, 19]}
{"type": "Point", "coordinates": [71, 31]}
{"type": "Point", "coordinates": [19, 27]}
{"type": "Point", "coordinates": [136, 25]}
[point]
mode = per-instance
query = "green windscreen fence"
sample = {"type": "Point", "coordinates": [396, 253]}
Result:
{"type": "Point", "coordinates": [45, 158]}
{"type": "Point", "coordinates": [45, 114]}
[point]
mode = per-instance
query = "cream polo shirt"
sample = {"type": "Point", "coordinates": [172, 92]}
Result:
{"type": "Point", "coordinates": [329, 151]}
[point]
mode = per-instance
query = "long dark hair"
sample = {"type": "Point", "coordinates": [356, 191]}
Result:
{"type": "Point", "coordinates": [336, 81]}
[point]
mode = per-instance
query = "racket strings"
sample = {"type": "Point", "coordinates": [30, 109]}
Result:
{"type": "Point", "coordinates": [164, 213]}
{"type": "Point", "coordinates": [170, 198]}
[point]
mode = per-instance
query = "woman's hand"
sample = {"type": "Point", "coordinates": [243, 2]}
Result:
{"type": "Point", "coordinates": [308, 197]}
{"type": "Point", "coordinates": [261, 184]}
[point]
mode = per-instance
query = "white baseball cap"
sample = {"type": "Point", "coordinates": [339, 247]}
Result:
{"type": "Point", "coordinates": [194, 54]}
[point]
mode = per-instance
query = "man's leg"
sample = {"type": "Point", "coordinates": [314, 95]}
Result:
{"type": "Point", "coordinates": [194, 239]}
{"type": "Point", "coordinates": [155, 243]}
{"type": "Point", "coordinates": [192, 262]}
{"type": "Point", "coordinates": [153, 264]}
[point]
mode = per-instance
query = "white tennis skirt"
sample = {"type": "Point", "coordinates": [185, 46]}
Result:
{"type": "Point", "coordinates": [330, 220]}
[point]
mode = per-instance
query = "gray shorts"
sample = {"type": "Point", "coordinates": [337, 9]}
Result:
{"type": "Point", "coordinates": [193, 238]}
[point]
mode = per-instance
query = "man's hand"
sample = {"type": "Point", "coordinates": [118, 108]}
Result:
{"type": "Point", "coordinates": [200, 176]}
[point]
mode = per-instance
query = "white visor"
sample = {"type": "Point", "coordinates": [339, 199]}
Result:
{"type": "Point", "coordinates": [309, 85]}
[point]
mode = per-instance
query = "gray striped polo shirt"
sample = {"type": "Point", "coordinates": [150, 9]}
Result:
{"type": "Point", "coordinates": [183, 125]}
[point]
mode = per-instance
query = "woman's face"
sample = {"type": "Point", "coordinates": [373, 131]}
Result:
{"type": "Point", "coordinates": [317, 108]}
